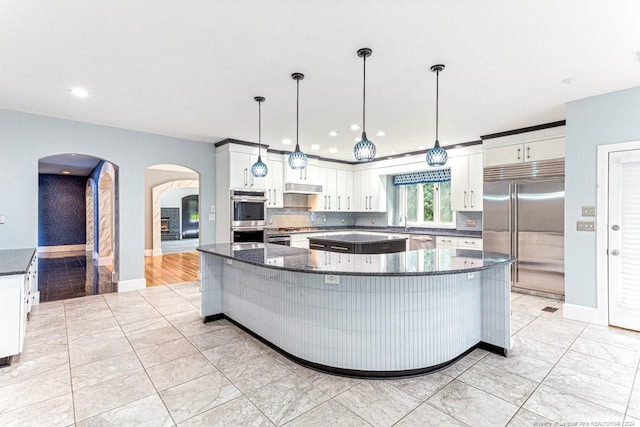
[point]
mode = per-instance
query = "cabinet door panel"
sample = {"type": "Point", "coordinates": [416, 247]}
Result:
{"type": "Point", "coordinates": [475, 182]}
{"type": "Point", "coordinates": [503, 155]}
{"type": "Point", "coordinates": [544, 150]}
{"type": "Point", "coordinates": [459, 183]}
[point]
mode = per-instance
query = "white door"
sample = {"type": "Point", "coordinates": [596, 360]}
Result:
{"type": "Point", "coordinates": [624, 239]}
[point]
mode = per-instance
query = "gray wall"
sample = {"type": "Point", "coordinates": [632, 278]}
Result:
{"type": "Point", "coordinates": [25, 138]}
{"type": "Point", "coordinates": [605, 119]}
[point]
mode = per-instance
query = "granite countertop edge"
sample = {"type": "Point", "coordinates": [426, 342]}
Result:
{"type": "Point", "coordinates": [206, 250]}
{"type": "Point", "coordinates": [15, 261]}
{"type": "Point", "coordinates": [400, 230]}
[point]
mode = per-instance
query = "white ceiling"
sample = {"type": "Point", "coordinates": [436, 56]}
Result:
{"type": "Point", "coordinates": [74, 164]}
{"type": "Point", "coordinates": [191, 69]}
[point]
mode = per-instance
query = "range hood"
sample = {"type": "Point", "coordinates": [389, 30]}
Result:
{"type": "Point", "coordinates": [297, 188]}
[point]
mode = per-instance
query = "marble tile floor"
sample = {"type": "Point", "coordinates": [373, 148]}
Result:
{"type": "Point", "coordinates": [71, 276]}
{"type": "Point", "coordinates": [145, 358]}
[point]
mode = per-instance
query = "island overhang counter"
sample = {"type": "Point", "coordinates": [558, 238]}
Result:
{"type": "Point", "coordinates": [364, 315]}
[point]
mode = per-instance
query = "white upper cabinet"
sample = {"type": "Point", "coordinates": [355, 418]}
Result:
{"type": "Point", "coordinates": [275, 183]}
{"type": "Point", "coordinates": [240, 171]}
{"type": "Point", "coordinates": [546, 149]}
{"type": "Point", "coordinates": [466, 182]}
{"type": "Point", "coordinates": [309, 175]}
{"type": "Point", "coordinates": [344, 190]}
{"type": "Point", "coordinates": [369, 191]}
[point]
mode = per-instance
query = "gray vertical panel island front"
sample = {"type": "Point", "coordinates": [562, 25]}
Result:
{"type": "Point", "coordinates": [395, 314]}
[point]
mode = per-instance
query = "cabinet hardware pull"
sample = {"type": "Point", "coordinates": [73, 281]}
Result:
{"type": "Point", "coordinates": [340, 248]}
{"type": "Point", "coordinates": [269, 201]}
{"type": "Point", "coordinates": [338, 202]}
{"type": "Point", "coordinates": [329, 201]}
{"type": "Point", "coordinates": [465, 198]}
{"type": "Point", "coordinates": [528, 152]}
{"type": "Point", "coordinates": [348, 203]}
{"type": "Point", "coordinates": [471, 197]}
{"type": "Point", "coordinates": [245, 177]}
{"type": "Point", "coordinates": [325, 203]}
{"type": "Point", "coordinates": [315, 245]}
{"type": "Point", "coordinates": [519, 153]}
{"type": "Point", "coordinates": [274, 197]}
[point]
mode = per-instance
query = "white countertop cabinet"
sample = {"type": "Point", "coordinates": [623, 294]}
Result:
{"type": "Point", "coordinates": [15, 304]}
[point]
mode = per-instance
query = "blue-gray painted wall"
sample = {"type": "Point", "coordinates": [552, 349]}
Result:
{"type": "Point", "coordinates": [605, 119]}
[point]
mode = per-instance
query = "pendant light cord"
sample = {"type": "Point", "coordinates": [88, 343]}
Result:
{"type": "Point", "coordinates": [259, 127]}
{"type": "Point", "coordinates": [437, 97]}
{"type": "Point", "coordinates": [364, 91]}
{"type": "Point", "coordinates": [297, 111]}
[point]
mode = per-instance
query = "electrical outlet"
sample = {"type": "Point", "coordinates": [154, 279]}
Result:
{"type": "Point", "coordinates": [586, 226]}
{"type": "Point", "coordinates": [1, 219]}
{"type": "Point", "coordinates": [588, 211]}
{"type": "Point", "coordinates": [213, 208]}
{"type": "Point", "coordinates": [331, 279]}
{"type": "Point", "coordinates": [229, 261]}
{"type": "Point", "coordinates": [212, 217]}
{"type": "Point", "coordinates": [471, 223]}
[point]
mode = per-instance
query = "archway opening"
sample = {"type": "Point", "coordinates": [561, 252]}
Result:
{"type": "Point", "coordinates": [77, 226]}
{"type": "Point", "coordinates": [172, 223]}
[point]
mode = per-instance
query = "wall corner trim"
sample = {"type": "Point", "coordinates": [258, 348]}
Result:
{"type": "Point", "coordinates": [582, 313]}
{"type": "Point", "coordinates": [131, 285]}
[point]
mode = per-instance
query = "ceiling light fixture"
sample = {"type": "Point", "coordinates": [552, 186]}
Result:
{"type": "Point", "coordinates": [333, 150]}
{"type": "Point", "coordinates": [286, 141]}
{"type": "Point", "coordinates": [437, 156]}
{"type": "Point", "coordinates": [66, 173]}
{"type": "Point", "coordinates": [364, 151]}
{"type": "Point", "coordinates": [315, 147]}
{"type": "Point", "coordinates": [259, 168]}
{"type": "Point", "coordinates": [354, 127]}
{"type": "Point", "coordinates": [80, 92]}
{"type": "Point", "coordinates": [380, 133]}
{"type": "Point", "coordinates": [297, 159]}
{"type": "Point", "coordinates": [333, 133]}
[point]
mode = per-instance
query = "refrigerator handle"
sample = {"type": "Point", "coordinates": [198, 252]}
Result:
{"type": "Point", "coordinates": [515, 237]}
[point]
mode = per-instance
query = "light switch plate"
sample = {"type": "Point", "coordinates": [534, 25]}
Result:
{"type": "Point", "coordinates": [212, 217]}
{"type": "Point", "coordinates": [588, 211]}
{"type": "Point", "coordinates": [586, 226]}
{"type": "Point", "coordinates": [213, 208]}
{"type": "Point", "coordinates": [1, 219]}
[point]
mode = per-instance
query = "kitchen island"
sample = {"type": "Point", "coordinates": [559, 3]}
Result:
{"type": "Point", "coordinates": [364, 315]}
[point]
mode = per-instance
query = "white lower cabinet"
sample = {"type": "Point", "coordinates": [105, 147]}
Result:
{"type": "Point", "coordinates": [459, 242]}
{"type": "Point", "coordinates": [15, 304]}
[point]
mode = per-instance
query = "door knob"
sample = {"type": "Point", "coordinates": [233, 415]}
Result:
{"type": "Point", "coordinates": [615, 252]}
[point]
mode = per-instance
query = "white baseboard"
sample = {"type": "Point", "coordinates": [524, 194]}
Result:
{"type": "Point", "coordinates": [152, 252]}
{"type": "Point", "coordinates": [62, 248]}
{"type": "Point", "coordinates": [580, 313]}
{"type": "Point", "coordinates": [131, 285]}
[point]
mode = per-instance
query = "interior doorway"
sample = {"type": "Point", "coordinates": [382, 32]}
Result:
{"type": "Point", "coordinates": [77, 226]}
{"type": "Point", "coordinates": [172, 223]}
{"type": "Point", "coordinates": [624, 239]}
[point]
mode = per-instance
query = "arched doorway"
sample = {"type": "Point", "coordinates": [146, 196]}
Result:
{"type": "Point", "coordinates": [172, 228]}
{"type": "Point", "coordinates": [74, 259]}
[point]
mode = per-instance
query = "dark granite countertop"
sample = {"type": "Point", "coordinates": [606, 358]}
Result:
{"type": "Point", "coordinates": [400, 230]}
{"type": "Point", "coordinates": [357, 238]}
{"type": "Point", "coordinates": [411, 263]}
{"type": "Point", "coordinates": [15, 261]}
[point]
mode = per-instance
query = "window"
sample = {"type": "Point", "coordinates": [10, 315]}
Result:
{"type": "Point", "coordinates": [428, 203]}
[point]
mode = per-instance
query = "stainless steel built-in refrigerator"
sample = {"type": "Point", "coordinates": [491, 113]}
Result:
{"type": "Point", "coordinates": [523, 216]}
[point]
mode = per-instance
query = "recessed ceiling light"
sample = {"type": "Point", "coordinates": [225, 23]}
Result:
{"type": "Point", "coordinates": [380, 133]}
{"type": "Point", "coordinates": [566, 81]}
{"type": "Point", "coordinates": [315, 147]}
{"type": "Point", "coordinates": [421, 147]}
{"type": "Point", "coordinates": [286, 141]}
{"type": "Point", "coordinates": [333, 133]}
{"type": "Point", "coordinates": [66, 173]}
{"type": "Point", "coordinates": [394, 152]}
{"type": "Point", "coordinates": [355, 127]}
{"type": "Point", "coordinates": [357, 138]}
{"type": "Point", "coordinates": [80, 92]}
{"type": "Point", "coordinates": [333, 150]}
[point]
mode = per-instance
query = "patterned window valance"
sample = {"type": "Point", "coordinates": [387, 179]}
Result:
{"type": "Point", "coordinates": [431, 175]}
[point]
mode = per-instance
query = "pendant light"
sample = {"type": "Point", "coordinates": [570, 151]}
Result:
{"type": "Point", "coordinates": [364, 150]}
{"type": "Point", "coordinates": [297, 159]}
{"type": "Point", "coordinates": [437, 156]}
{"type": "Point", "coordinates": [259, 168]}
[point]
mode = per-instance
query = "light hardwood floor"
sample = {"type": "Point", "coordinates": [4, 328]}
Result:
{"type": "Point", "coordinates": [172, 268]}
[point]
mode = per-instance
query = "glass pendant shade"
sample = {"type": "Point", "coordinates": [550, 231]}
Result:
{"type": "Point", "coordinates": [297, 159]}
{"type": "Point", "coordinates": [259, 168]}
{"type": "Point", "coordinates": [437, 156]}
{"type": "Point", "coordinates": [364, 150]}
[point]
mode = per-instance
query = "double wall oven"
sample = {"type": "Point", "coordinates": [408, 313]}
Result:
{"type": "Point", "coordinates": [248, 212]}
